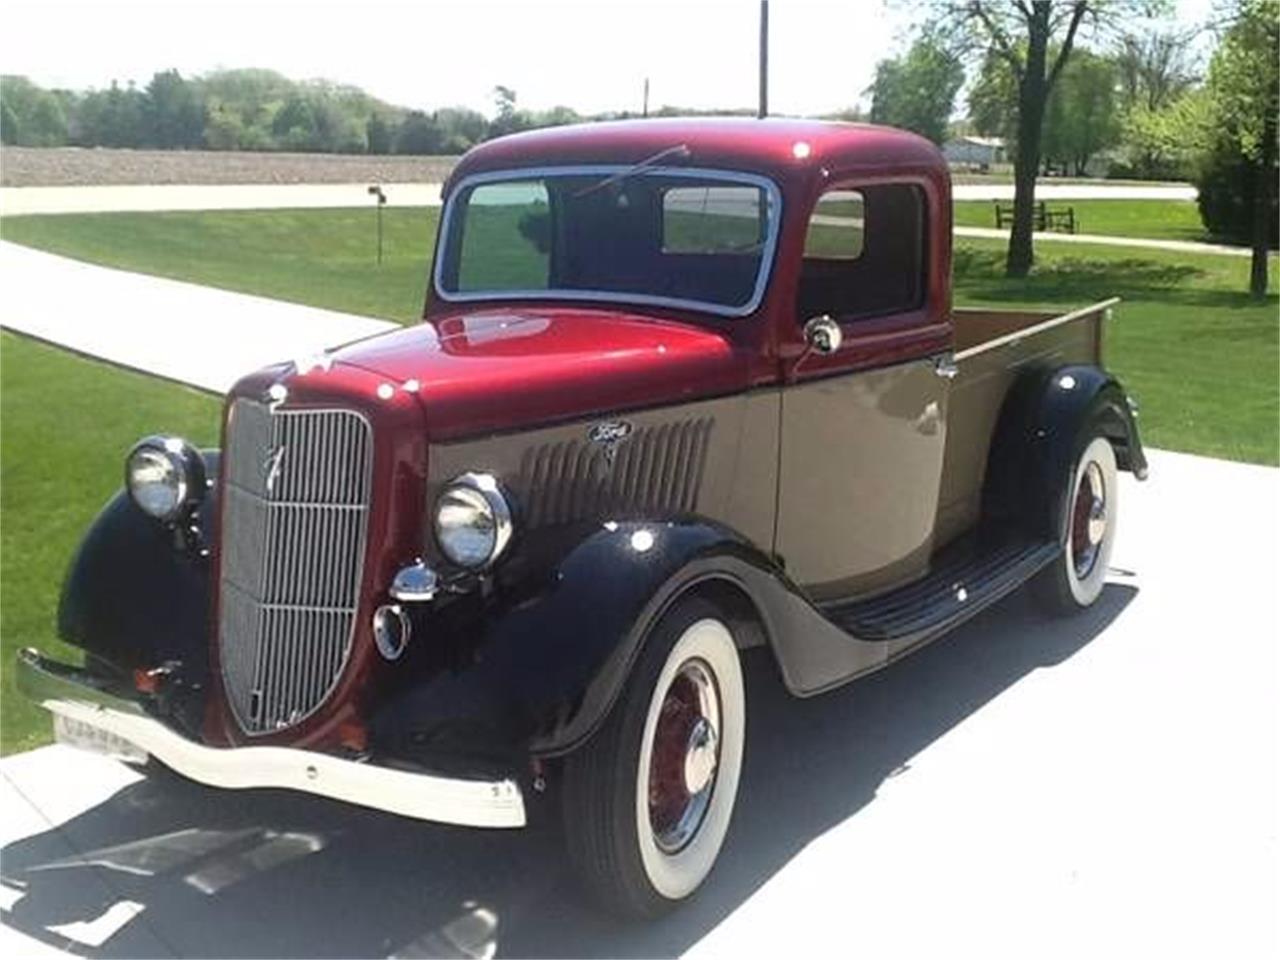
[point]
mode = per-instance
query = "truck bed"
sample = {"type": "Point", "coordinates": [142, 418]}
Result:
{"type": "Point", "coordinates": [992, 347]}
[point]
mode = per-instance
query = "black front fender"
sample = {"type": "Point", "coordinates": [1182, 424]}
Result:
{"type": "Point", "coordinates": [536, 668]}
{"type": "Point", "coordinates": [137, 592]}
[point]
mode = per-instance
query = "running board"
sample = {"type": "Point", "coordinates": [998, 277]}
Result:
{"type": "Point", "coordinates": [969, 577]}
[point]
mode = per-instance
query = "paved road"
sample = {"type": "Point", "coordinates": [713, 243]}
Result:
{"type": "Point", "coordinates": [137, 321]}
{"type": "Point", "coordinates": [33, 200]}
{"type": "Point", "coordinates": [1100, 786]}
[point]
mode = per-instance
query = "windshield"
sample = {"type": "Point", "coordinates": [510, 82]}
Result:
{"type": "Point", "coordinates": [692, 238]}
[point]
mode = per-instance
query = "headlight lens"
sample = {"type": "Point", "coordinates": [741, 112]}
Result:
{"type": "Point", "coordinates": [473, 520]}
{"type": "Point", "coordinates": [164, 477]}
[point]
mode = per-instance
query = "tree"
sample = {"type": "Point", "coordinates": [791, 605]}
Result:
{"type": "Point", "coordinates": [508, 119]}
{"type": "Point", "coordinates": [378, 134]}
{"type": "Point", "coordinates": [175, 112]}
{"type": "Point", "coordinates": [1243, 85]}
{"type": "Point", "coordinates": [1083, 115]}
{"type": "Point", "coordinates": [10, 127]}
{"type": "Point", "coordinates": [419, 134]}
{"type": "Point", "coordinates": [114, 117]}
{"type": "Point", "coordinates": [462, 125]}
{"type": "Point", "coordinates": [993, 100]}
{"type": "Point", "coordinates": [33, 116]}
{"type": "Point", "coordinates": [917, 91]}
{"type": "Point", "coordinates": [1155, 67]}
{"type": "Point", "coordinates": [1022, 33]}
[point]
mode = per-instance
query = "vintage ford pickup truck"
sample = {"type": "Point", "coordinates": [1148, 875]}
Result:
{"type": "Point", "coordinates": [682, 388]}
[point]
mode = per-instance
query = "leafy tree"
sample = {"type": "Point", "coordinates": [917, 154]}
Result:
{"type": "Point", "coordinates": [1083, 115]}
{"type": "Point", "coordinates": [1022, 33]}
{"type": "Point", "coordinates": [1244, 87]}
{"type": "Point", "coordinates": [462, 127]}
{"type": "Point", "coordinates": [419, 134]}
{"type": "Point", "coordinates": [508, 118]}
{"type": "Point", "coordinates": [993, 99]}
{"type": "Point", "coordinates": [33, 116]}
{"type": "Point", "coordinates": [175, 112]}
{"type": "Point", "coordinates": [114, 117]}
{"type": "Point", "coordinates": [917, 91]}
{"type": "Point", "coordinates": [378, 134]}
{"type": "Point", "coordinates": [10, 128]}
{"type": "Point", "coordinates": [1163, 143]}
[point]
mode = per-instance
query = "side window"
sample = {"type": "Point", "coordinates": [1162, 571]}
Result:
{"type": "Point", "coordinates": [864, 253]}
{"type": "Point", "coordinates": [713, 219]}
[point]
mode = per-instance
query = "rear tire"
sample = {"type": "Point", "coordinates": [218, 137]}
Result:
{"type": "Point", "coordinates": [1075, 579]}
{"type": "Point", "coordinates": [648, 799]}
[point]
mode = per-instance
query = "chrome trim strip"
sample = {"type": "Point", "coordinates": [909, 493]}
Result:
{"type": "Point", "coordinates": [72, 693]}
{"type": "Point", "coordinates": [613, 296]}
{"type": "Point", "coordinates": [1101, 305]}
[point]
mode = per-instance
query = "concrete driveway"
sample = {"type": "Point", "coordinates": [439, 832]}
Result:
{"type": "Point", "coordinates": [1100, 786]}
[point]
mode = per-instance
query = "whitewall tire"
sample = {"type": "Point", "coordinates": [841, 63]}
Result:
{"type": "Point", "coordinates": [1076, 578]}
{"type": "Point", "coordinates": [649, 798]}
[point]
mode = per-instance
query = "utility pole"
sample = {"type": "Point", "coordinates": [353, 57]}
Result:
{"type": "Point", "coordinates": [645, 112]}
{"type": "Point", "coordinates": [763, 110]}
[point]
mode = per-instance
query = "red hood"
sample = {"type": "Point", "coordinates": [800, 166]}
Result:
{"type": "Point", "coordinates": [497, 370]}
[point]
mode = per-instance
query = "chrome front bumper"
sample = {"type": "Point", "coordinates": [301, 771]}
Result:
{"type": "Point", "coordinates": [73, 693]}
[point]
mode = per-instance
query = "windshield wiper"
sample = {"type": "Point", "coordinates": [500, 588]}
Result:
{"type": "Point", "coordinates": [679, 150]}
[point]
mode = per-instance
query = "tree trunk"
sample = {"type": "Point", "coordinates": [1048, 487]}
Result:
{"type": "Point", "coordinates": [1263, 172]}
{"type": "Point", "coordinates": [1027, 162]}
{"type": "Point", "coordinates": [1261, 229]}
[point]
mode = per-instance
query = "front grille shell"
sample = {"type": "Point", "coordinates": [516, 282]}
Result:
{"type": "Point", "coordinates": [295, 514]}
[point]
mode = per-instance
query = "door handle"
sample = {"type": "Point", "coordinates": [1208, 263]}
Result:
{"type": "Point", "coordinates": [946, 367]}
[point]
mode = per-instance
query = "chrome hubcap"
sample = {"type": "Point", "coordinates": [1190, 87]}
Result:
{"type": "Point", "coordinates": [685, 756]}
{"type": "Point", "coordinates": [1089, 520]}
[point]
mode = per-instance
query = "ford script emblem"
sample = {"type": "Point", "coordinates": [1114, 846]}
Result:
{"type": "Point", "coordinates": [609, 435]}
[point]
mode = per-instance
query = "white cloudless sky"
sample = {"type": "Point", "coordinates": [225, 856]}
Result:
{"type": "Point", "coordinates": [592, 56]}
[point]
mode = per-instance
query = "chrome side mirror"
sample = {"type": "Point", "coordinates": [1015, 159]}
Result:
{"type": "Point", "coordinates": [823, 334]}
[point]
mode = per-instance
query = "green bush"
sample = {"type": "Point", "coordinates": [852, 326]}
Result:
{"type": "Point", "coordinates": [1225, 181]}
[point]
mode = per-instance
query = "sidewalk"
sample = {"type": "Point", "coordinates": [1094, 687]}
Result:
{"type": "Point", "coordinates": [1180, 246]}
{"type": "Point", "coordinates": [197, 335]}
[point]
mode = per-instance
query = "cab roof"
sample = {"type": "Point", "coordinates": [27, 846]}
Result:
{"type": "Point", "coordinates": [783, 149]}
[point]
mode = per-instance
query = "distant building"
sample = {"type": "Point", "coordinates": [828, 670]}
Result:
{"type": "Point", "coordinates": [974, 152]}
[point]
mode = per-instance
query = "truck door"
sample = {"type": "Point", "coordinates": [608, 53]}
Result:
{"type": "Point", "coordinates": [864, 427]}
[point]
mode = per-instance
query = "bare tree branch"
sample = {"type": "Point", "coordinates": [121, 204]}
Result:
{"type": "Point", "coordinates": [1077, 14]}
{"type": "Point", "coordinates": [999, 37]}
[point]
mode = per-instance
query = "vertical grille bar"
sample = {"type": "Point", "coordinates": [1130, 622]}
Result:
{"type": "Point", "coordinates": [295, 511]}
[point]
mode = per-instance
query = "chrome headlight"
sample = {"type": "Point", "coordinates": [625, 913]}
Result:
{"type": "Point", "coordinates": [473, 520]}
{"type": "Point", "coordinates": [165, 477]}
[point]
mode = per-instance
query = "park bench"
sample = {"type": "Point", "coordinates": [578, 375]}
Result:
{"type": "Point", "coordinates": [1042, 218]}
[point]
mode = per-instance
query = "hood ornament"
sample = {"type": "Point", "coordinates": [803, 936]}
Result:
{"type": "Point", "coordinates": [610, 436]}
{"type": "Point", "coordinates": [272, 465]}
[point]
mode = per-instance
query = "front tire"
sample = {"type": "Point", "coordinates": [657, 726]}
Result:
{"type": "Point", "coordinates": [648, 799]}
{"type": "Point", "coordinates": [1075, 579]}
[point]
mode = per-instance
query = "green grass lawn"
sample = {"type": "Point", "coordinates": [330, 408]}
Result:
{"type": "Point", "coordinates": [1148, 219]}
{"type": "Point", "coordinates": [323, 258]}
{"type": "Point", "coordinates": [1199, 355]}
{"type": "Point", "coordinates": [66, 424]}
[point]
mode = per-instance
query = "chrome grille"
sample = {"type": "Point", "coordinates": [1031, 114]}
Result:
{"type": "Point", "coordinates": [294, 513]}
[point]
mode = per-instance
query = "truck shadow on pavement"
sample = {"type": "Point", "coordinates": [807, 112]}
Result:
{"type": "Point", "coordinates": [266, 873]}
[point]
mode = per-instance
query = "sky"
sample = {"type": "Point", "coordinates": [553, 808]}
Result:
{"type": "Point", "coordinates": [592, 56]}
